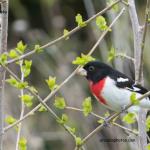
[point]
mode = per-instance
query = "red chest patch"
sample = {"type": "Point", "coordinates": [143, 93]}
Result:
{"type": "Point", "coordinates": [97, 89]}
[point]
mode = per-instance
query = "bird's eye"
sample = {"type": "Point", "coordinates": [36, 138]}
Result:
{"type": "Point", "coordinates": [91, 68]}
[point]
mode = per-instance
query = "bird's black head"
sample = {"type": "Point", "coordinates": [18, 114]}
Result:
{"type": "Point", "coordinates": [96, 71]}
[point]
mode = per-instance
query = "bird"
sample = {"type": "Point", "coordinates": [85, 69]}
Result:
{"type": "Point", "coordinates": [112, 88]}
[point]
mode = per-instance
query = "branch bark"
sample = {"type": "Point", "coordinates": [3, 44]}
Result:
{"type": "Point", "coordinates": [139, 40]}
{"type": "Point", "coordinates": [137, 34]}
{"type": "Point", "coordinates": [3, 48]}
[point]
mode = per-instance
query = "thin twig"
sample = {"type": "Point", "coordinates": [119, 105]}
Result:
{"type": "Point", "coordinates": [100, 117]}
{"type": "Point", "coordinates": [22, 108]}
{"type": "Point", "coordinates": [38, 106]}
{"type": "Point", "coordinates": [41, 102]}
{"type": "Point", "coordinates": [81, 110]}
{"type": "Point", "coordinates": [63, 36]}
{"type": "Point", "coordinates": [106, 31]}
{"type": "Point", "coordinates": [64, 82]}
{"type": "Point", "coordinates": [124, 2]}
{"type": "Point", "coordinates": [124, 56]}
{"type": "Point", "coordinates": [147, 13]}
{"type": "Point", "coordinates": [125, 128]}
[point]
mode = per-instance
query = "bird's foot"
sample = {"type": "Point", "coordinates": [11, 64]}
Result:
{"type": "Point", "coordinates": [106, 122]}
{"type": "Point", "coordinates": [123, 109]}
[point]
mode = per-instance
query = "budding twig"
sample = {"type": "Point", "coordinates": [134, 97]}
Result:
{"type": "Point", "coordinates": [124, 56]}
{"type": "Point", "coordinates": [66, 80]}
{"type": "Point", "coordinates": [100, 117]}
{"type": "Point", "coordinates": [64, 36]}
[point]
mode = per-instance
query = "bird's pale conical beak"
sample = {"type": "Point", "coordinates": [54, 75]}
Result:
{"type": "Point", "coordinates": [82, 72]}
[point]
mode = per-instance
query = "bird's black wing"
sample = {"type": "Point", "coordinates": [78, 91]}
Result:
{"type": "Point", "coordinates": [122, 81]}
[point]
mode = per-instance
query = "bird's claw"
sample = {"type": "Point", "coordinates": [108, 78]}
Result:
{"type": "Point", "coordinates": [106, 122]}
{"type": "Point", "coordinates": [123, 109]}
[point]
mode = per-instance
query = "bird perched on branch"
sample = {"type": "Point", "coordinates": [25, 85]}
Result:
{"type": "Point", "coordinates": [112, 88]}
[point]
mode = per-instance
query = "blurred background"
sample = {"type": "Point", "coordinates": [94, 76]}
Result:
{"type": "Point", "coordinates": [41, 21]}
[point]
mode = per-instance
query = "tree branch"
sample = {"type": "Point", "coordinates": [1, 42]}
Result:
{"type": "Point", "coordinates": [3, 48]}
{"type": "Point", "coordinates": [147, 13]}
{"type": "Point", "coordinates": [64, 36]}
{"type": "Point", "coordinates": [99, 117]}
{"type": "Point", "coordinates": [124, 56]}
{"type": "Point", "coordinates": [139, 40]}
{"type": "Point", "coordinates": [65, 81]}
{"type": "Point", "coordinates": [22, 109]}
{"type": "Point", "coordinates": [56, 117]}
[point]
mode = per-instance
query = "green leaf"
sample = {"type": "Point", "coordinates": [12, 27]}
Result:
{"type": "Point", "coordinates": [66, 34]}
{"type": "Point", "coordinates": [12, 81]}
{"type": "Point", "coordinates": [101, 23]}
{"type": "Point", "coordinates": [63, 120]}
{"type": "Point", "coordinates": [80, 21]}
{"type": "Point", "coordinates": [115, 7]}
{"type": "Point", "coordinates": [133, 99]}
{"type": "Point", "coordinates": [83, 60]}
{"type": "Point", "coordinates": [87, 106]}
{"type": "Point", "coordinates": [72, 130]}
{"type": "Point", "coordinates": [148, 146]}
{"type": "Point", "coordinates": [59, 103]}
{"type": "Point", "coordinates": [38, 49]}
{"type": "Point", "coordinates": [27, 99]}
{"type": "Point", "coordinates": [22, 144]}
{"type": "Point", "coordinates": [22, 85]}
{"type": "Point", "coordinates": [107, 114]}
{"type": "Point", "coordinates": [42, 109]}
{"type": "Point", "coordinates": [3, 58]}
{"type": "Point", "coordinates": [26, 67]}
{"type": "Point", "coordinates": [33, 89]}
{"type": "Point", "coordinates": [111, 54]}
{"type": "Point", "coordinates": [13, 54]}
{"type": "Point", "coordinates": [129, 118]}
{"type": "Point", "coordinates": [10, 120]}
{"type": "Point", "coordinates": [100, 121]}
{"type": "Point", "coordinates": [78, 141]}
{"type": "Point", "coordinates": [51, 82]}
{"type": "Point", "coordinates": [21, 47]}
{"type": "Point", "coordinates": [148, 123]}
{"type": "Point", "coordinates": [28, 63]}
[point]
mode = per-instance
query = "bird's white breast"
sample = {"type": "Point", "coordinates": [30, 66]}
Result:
{"type": "Point", "coordinates": [117, 98]}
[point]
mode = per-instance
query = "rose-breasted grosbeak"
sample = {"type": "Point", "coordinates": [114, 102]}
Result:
{"type": "Point", "coordinates": [112, 88]}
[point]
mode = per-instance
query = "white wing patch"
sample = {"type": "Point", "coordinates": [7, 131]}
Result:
{"type": "Point", "coordinates": [136, 89]}
{"type": "Point", "coordinates": [122, 79]}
